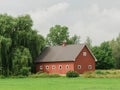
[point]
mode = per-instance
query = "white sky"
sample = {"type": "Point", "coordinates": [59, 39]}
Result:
{"type": "Point", "coordinates": [98, 19]}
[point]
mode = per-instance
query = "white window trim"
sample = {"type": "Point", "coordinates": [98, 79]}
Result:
{"type": "Point", "coordinates": [84, 53]}
{"type": "Point", "coordinates": [41, 67]}
{"type": "Point", "coordinates": [53, 67]}
{"type": "Point", "coordinates": [60, 66]}
{"type": "Point", "coordinates": [89, 67]}
{"type": "Point", "coordinates": [67, 66]}
{"type": "Point", "coordinates": [79, 67]}
{"type": "Point", "coordinates": [47, 67]}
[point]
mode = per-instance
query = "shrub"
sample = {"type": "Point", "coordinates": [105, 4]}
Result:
{"type": "Point", "coordinates": [72, 74]}
{"type": "Point", "coordinates": [25, 71]}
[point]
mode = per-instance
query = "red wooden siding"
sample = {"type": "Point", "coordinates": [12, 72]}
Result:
{"type": "Point", "coordinates": [84, 61]}
{"type": "Point", "coordinates": [57, 70]}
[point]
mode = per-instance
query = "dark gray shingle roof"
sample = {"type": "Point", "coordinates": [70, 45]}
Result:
{"type": "Point", "coordinates": [60, 53]}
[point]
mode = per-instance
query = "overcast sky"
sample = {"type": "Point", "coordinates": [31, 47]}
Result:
{"type": "Point", "coordinates": [98, 19]}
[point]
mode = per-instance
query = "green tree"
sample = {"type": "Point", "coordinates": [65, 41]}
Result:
{"type": "Point", "coordinates": [24, 23]}
{"type": "Point", "coordinates": [14, 34]}
{"type": "Point", "coordinates": [7, 24]}
{"type": "Point", "coordinates": [57, 35]}
{"type": "Point", "coordinates": [74, 40]}
{"type": "Point", "coordinates": [103, 53]}
{"type": "Point", "coordinates": [115, 45]}
{"type": "Point", "coordinates": [5, 44]}
{"type": "Point", "coordinates": [21, 58]}
{"type": "Point", "coordinates": [88, 42]}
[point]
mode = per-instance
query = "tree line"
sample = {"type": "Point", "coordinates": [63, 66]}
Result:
{"type": "Point", "coordinates": [107, 53]}
{"type": "Point", "coordinates": [20, 45]}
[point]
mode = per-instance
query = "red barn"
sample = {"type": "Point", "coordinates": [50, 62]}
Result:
{"type": "Point", "coordinates": [61, 59]}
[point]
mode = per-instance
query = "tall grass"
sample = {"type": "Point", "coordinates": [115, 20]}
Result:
{"type": "Point", "coordinates": [44, 75]}
{"type": "Point", "coordinates": [103, 74]}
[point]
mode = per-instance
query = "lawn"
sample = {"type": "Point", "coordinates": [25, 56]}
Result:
{"type": "Point", "coordinates": [61, 83]}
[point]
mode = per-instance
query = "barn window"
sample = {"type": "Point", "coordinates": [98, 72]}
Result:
{"type": "Point", "coordinates": [41, 67]}
{"type": "Point", "coordinates": [53, 67]}
{"type": "Point", "coordinates": [84, 53]}
{"type": "Point", "coordinates": [67, 66]}
{"type": "Point", "coordinates": [60, 67]}
{"type": "Point", "coordinates": [47, 67]}
{"type": "Point", "coordinates": [89, 66]}
{"type": "Point", "coordinates": [79, 66]}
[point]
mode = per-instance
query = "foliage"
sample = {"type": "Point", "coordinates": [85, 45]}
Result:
{"type": "Point", "coordinates": [7, 25]}
{"type": "Point", "coordinates": [57, 35]}
{"type": "Point", "coordinates": [25, 71]}
{"type": "Point", "coordinates": [5, 63]}
{"type": "Point", "coordinates": [74, 40]}
{"type": "Point", "coordinates": [115, 45]}
{"type": "Point", "coordinates": [21, 58]}
{"type": "Point", "coordinates": [19, 44]}
{"type": "Point", "coordinates": [72, 74]}
{"type": "Point", "coordinates": [88, 42]}
{"type": "Point", "coordinates": [105, 60]}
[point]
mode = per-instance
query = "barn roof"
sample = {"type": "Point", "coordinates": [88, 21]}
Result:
{"type": "Point", "coordinates": [60, 53]}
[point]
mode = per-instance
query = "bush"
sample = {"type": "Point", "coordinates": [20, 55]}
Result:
{"type": "Point", "coordinates": [25, 71]}
{"type": "Point", "coordinates": [72, 74]}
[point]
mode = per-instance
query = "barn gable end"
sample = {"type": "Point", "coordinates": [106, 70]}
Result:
{"type": "Point", "coordinates": [85, 60]}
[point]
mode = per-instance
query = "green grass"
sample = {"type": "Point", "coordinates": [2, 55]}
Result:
{"type": "Point", "coordinates": [61, 83]}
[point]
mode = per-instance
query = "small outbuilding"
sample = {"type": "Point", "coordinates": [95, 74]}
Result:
{"type": "Point", "coordinates": [61, 59]}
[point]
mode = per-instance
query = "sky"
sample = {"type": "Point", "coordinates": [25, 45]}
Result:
{"type": "Point", "coordinates": [97, 19]}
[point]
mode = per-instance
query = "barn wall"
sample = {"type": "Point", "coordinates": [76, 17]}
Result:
{"type": "Point", "coordinates": [84, 61]}
{"type": "Point", "coordinates": [57, 70]}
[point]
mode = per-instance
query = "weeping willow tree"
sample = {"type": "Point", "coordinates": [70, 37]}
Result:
{"type": "Point", "coordinates": [21, 58]}
{"type": "Point", "coordinates": [5, 44]}
{"type": "Point", "coordinates": [14, 34]}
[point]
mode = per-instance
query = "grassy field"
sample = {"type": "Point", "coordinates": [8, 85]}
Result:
{"type": "Point", "coordinates": [61, 83]}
